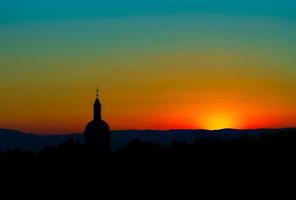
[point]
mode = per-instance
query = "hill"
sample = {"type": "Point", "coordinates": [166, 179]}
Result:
{"type": "Point", "coordinates": [10, 139]}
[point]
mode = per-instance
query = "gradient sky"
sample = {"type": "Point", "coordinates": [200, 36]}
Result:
{"type": "Point", "coordinates": [160, 64]}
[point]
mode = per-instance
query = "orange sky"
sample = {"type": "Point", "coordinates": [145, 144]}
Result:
{"type": "Point", "coordinates": [170, 71]}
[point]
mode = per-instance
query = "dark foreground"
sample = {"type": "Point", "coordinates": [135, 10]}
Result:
{"type": "Point", "coordinates": [270, 149]}
{"type": "Point", "coordinates": [243, 164]}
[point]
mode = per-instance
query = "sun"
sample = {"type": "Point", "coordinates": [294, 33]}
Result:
{"type": "Point", "coordinates": [218, 121]}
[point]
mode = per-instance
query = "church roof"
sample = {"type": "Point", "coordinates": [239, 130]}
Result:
{"type": "Point", "coordinates": [99, 125]}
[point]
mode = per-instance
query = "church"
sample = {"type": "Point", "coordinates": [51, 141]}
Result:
{"type": "Point", "coordinates": [97, 132]}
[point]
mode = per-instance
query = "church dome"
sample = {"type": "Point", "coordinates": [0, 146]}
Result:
{"type": "Point", "coordinates": [97, 126]}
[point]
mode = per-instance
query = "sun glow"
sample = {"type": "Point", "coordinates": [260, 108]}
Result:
{"type": "Point", "coordinates": [218, 121]}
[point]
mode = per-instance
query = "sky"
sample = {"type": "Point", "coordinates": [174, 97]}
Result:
{"type": "Point", "coordinates": [159, 64]}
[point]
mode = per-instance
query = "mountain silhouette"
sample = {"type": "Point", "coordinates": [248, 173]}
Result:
{"type": "Point", "coordinates": [10, 139]}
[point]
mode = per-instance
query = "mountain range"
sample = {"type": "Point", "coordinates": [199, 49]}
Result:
{"type": "Point", "coordinates": [11, 139]}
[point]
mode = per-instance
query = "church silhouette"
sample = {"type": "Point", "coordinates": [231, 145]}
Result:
{"type": "Point", "coordinates": [97, 132]}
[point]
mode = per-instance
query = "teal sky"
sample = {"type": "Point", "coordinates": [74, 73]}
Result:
{"type": "Point", "coordinates": [26, 10]}
{"type": "Point", "coordinates": [145, 54]}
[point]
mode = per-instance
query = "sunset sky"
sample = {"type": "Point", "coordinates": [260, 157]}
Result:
{"type": "Point", "coordinates": [159, 64]}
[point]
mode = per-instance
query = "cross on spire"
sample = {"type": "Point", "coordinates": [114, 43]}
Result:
{"type": "Point", "coordinates": [97, 90]}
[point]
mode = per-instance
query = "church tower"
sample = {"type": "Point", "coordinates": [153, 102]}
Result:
{"type": "Point", "coordinates": [97, 132]}
{"type": "Point", "coordinates": [97, 108]}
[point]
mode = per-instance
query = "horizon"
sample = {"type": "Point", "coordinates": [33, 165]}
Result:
{"type": "Point", "coordinates": [146, 130]}
{"type": "Point", "coordinates": [159, 65]}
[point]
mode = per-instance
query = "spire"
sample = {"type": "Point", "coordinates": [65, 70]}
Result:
{"type": "Point", "coordinates": [97, 107]}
